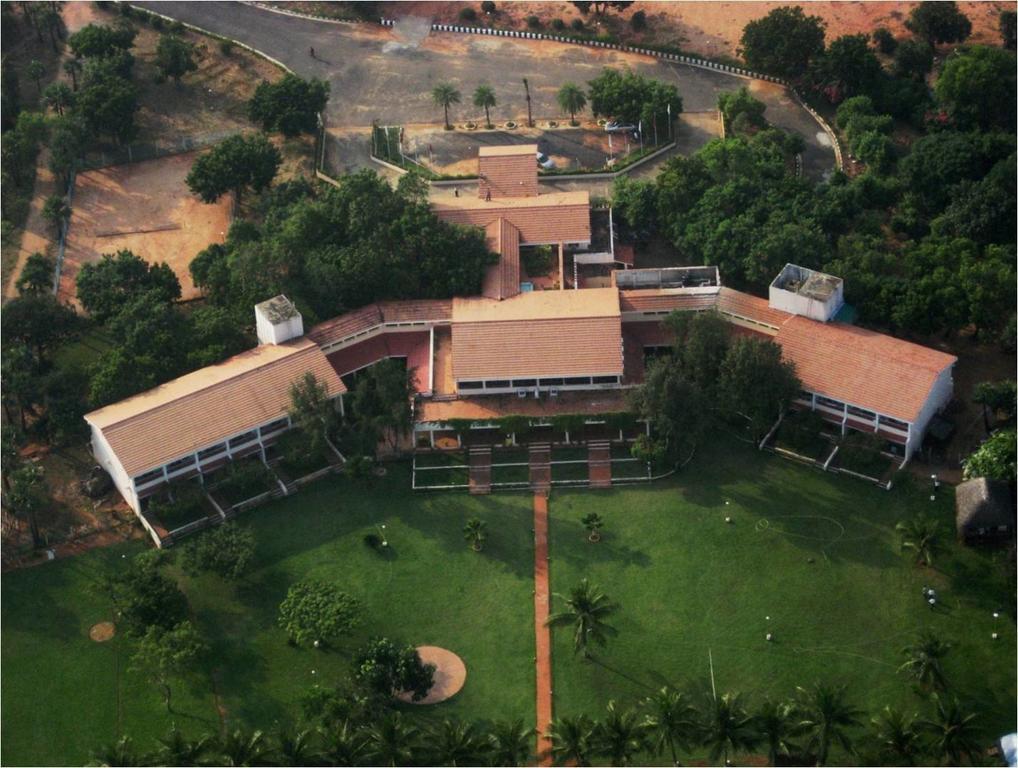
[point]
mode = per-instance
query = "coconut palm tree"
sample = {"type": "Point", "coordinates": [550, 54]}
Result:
{"type": "Point", "coordinates": [391, 741]}
{"type": "Point", "coordinates": [572, 739]}
{"type": "Point", "coordinates": [921, 535]}
{"type": "Point", "coordinates": [572, 100]}
{"type": "Point", "coordinates": [296, 747]}
{"type": "Point", "coordinates": [239, 748]}
{"type": "Point", "coordinates": [777, 725]}
{"type": "Point", "coordinates": [445, 95]}
{"type": "Point", "coordinates": [953, 732]}
{"type": "Point", "coordinates": [474, 533]}
{"type": "Point", "coordinates": [621, 735]}
{"type": "Point", "coordinates": [73, 68]}
{"type": "Point", "coordinates": [119, 753]}
{"type": "Point", "coordinates": [58, 97]}
{"type": "Point", "coordinates": [826, 716]}
{"type": "Point", "coordinates": [510, 742]}
{"type": "Point", "coordinates": [897, 737]}
{"type": "Point", "coordinates": [176, 749]}
{"type": "Point", "coordinates": [587, 609]}
{"type": "Point", "coordinates": [593, 522]}
{"type": "Point", "coordinates": [344, 744]}
{"type": "Point", "coordinates": [923, 662]}
{"type": "Point", "coordinates": [727, 726]}
{"type": "Point", "coordinates": [454, 743]}
{"type": "Point", "coordinates": [484, 97]}
{"type": "Point", "coordinates": [671, 721]}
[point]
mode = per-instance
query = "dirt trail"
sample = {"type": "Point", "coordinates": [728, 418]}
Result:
{"type": "Point", "coordinates": [541, 606]}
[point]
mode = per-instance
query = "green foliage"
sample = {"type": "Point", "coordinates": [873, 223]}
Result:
{"type": "Point", "coordinates": [475, 532]}
{"type": "Point", "coordinates": [484, 97]}
{"type": "Point", "coordinates": [99, 41]}
{"type": "Point", "coordinates": [467, 14]}
{"type": "Point", "coordinates": [587, 610]}
{"type": "Point", "coordinates": [921, 536]}
{"type": "Point", "coordinates": [995, 458]}
{"type": "Point", "coordinates": [846, 68]}
{"type": "Point", "coordinates": [633, 98]}
{"type": "Point", "coordinates": [827, 718]}
{"type": "Point", "coordinates": [290, 106]}
{"type": "Point", "coordinates": [301, 453]}
{"type": "Point", "coordinates": [105, 287]}
{"type": "Point", "coordinates": [317, 612]}
{"type": "Point", "coordinates": [163, 654]}
{"type": "Point", "coordinates": [558, 25]}
{"type": "Point", "coordinates": [593, 522]}
{"type": "Point", "coordinates": [923, 662]}
{"type": "Point", "coordinates": [939, 22]}
{"type": "Point", "coordinates": [727, 726]}
{"type": "Point", "coordinates": [913, 58]}
{"type": "Point", "coordinates": [571, 99]}
{"type": "Point", "coordinates": [58, 97]}
{"type": "Point", "coordinates": [537, 260]}
{"type": "Point", "coordinates": [1008, 24]}
{"type": "Point", "coordinates": [107, 107]}
{"type": "Point", "coordinates": [225, 551]}
{"type": "Point", "coordinates": [144, 597]}
{"type": "Point", "coordinates": [638, 21]}
{"type": "Point", "coordinates": [783, 42]}
{"type": "Point", "coordinates": [735, 104]}
{"type": "Point", "coordinates": [37, 275]}
{"type": "Point", "coordinates": [235, 164]}
{"type": "Point", "coordinates": [174, 57]}
{"type": "Point", "coordinates": [756, 383]}
{"type": "Point", "coordinates": [311, 410]}
{"type": "Point", "coordinates": [885, 40]}
{"type": "Point", "coordinates": [445, 95]}
{"type": "Point", "coordinates": [56, 210]}
{"type": "Point", "coordinates": [39, 322]}
{"type": "Point", "coordinates": [387, 667]}
{"type": "Point", "coordinates": [977, 87]}
{"type": "Point", "coordinates": [381, 401]}
{"type": "Point", "coordinates": [673, 405]}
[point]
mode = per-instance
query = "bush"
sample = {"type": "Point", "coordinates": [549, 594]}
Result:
{"type": "Point", "coordinates": [125, 10]}
{"type": "Point", "coordinates": [177, 27]}
{"type": "Point", "coordinates": [487, 6]}
{"type": "Point", "coordinates": [388, 667]}
{"type": "Point", "coordinates": [299, 455]}
{"type": "Point", "coordinates": [467, 14]}
{"type": "Point", "coordinates": [533, 22]}
{"type": "Point", "coordinates": [537, 260]}
{"type": "Point", "coordinates": [558, 24]}
{"type": "Point", "coordinates": [243, 479]}
{"type": "Point", "coordinates": [577, 24]}
{"type": "Point", "coordinates": [885, 40]}
{"type": "Point", "coordinates": [225, 551]}
{"type": "Point", "coordinates": [638, 21]}
{"type": "Point", "coordinates": [226, 47]}
{"type": "Point", "coordinates": [156, 21]}
{"type": "Point", "coordinates": [317, 612]}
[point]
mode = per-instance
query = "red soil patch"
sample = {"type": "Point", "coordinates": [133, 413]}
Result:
{"type": "Point", "coordinates": [103, 631]}
{"type": "Point", "coordinates": [542, 604]}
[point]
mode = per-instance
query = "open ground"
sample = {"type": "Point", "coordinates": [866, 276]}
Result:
{"type": "Point", "coordinates": [816, 553]}
{"type": "Point", "coordinates": [146, 208]}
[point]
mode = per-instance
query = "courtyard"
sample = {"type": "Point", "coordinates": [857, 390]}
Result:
{"type": "Point", "coordinates": [815, 553]}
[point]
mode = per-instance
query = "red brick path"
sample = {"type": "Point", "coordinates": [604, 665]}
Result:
{"type": "Point", "coordinates": [541, 604]}
{"type": "Point", "coordinates": [480, 469]}
{"type": "Point", "coordinates": [599, 461]}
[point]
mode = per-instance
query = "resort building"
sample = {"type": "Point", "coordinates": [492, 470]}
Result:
{"type": "Point", "coordinates": [518, 351]}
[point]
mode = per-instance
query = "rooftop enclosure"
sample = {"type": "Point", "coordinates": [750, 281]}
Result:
{"type": "Point", "coordinates": [806, 292]}
{"type": "Point", "coordinates": [694, 279]}
{"type": "Point", "coordinates": [277, 320]}
{"type": "Point", "coordinates": [507, 171]}
{"type": "Point", "coordinates": [557, 217]}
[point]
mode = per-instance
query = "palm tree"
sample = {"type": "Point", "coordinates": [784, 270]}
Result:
{"type": "Point", "coordinates": [953, 732]}
{"type": "Point", "coordinates": [176, 749]}
{"type": "Point", "coordinates": [240, 748]}
{"type": "Point", "coordinates": [776, 723]}
{"type": "Point", "coordinates": [621, 736]}
{"type": "Point", "coordinates": [344, 744]}
{"type": "Point", "coordinates": [728, 727]}
{"type": "Point", "coordinates": [296, 748]}
{"type": "Point", "coordinates": [826, 718]}
{"type": "Point", "coordinates": [897, 737]}
{"type": "Point", "coordinates": [572, 100]}
{"type": "Point", "coordinates": [510, 742]}
{"type": "Point", "coordinates": [484, 96]}
{"type": "Point", "coordinates": [454, 743]}
{"type": "Point", "coordinates": [920, 534]}
{"type": "Point", "coordinates": [119, 753]}
{"type": "Point", "coordinates": [922, 661]}
{"type": "Point", "coordinates": [474, 533]}
{"type": "Point", "coordinates": [58, 96]}
{"type": "Point", "coordinates": [73, 68]}
{"type": "Point", "coordinates": [391, 741]}
{"type": "Point", "coordinates": [671, 722]}
{"type": "Point", "coordinates": [444, 95]}
{"type": "Point", "coordinates": [588, 607]}
{"type": "Point", "coordinates": [593, 522]}
{"type": "Point", "coordinates": [571, 739]}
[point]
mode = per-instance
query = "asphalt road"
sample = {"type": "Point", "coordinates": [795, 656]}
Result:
{"type": "Point", "coordinates": [387, 76]}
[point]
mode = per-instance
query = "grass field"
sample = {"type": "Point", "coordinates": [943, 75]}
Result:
{"type": "Point", "coordinates": [686, 581]}
{"type": "Point", "coordinates": [815, 553]}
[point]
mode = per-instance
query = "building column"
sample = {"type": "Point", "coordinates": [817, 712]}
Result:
{"type": "Point", "coordinates": [561, 266]}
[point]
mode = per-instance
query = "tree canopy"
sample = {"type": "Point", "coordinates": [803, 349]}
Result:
{"type": "Point", "coordinates": [939, 22]}
{"type": "Point", "coordinates": [632, 98]}
{"type": "Point", "coordinates": [290, 106]}
{"type": "Point", "coordinates": [783, 42]}
{"type": "Point", "coordinates": [233, 165]}
{"type": "Point", "coordinates": [106, 286]}
{"type": "Point", "coordinates": [317, 612]}
{"type": "Point", "coordinates": [977, 86]}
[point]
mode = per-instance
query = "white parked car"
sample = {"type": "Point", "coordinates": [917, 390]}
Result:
{"type": "Point", "coordinates": [544, 161]}
{"type": "Point", "coordinates": [615, 126]}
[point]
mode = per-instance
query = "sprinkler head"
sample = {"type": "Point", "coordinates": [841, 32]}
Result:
{"type": "Point", "coordinates": [770, 637]}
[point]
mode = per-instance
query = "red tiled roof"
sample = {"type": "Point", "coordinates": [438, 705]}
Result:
{"type": "Point", "coordinates": [560, 217]}
{"type": "Point", "coordinates": [750, 307]}
{"type": "Point", "coordinates": [372, 315]}
{"type": "Point", "coordinates": [663, 299]}
{"type": "Point", "coordinates": [507, 171]}
{"type": "Point", "coordinates": [864, 368]}
{"type": "Point", "coordinates": [434, 310]}
{"type": "Point", "coordinates": [352, 322]}
{"type": "Point", "coordinates": [502, 280]}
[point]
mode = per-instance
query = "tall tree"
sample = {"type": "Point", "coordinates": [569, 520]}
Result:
{"type": "Point", "coordinates": [897, 736]}
{"type": "Point", "coordinates": [317, 612]}
{"type": "Point", "coordinates": [392, 741]}
{"type": "Point", "coordinates": [587, 612]}
{"type": "Point", "coordinates": [923, 662]}
{"type": "Point", "coordinates": [455, 743]}
{"type": "Point", "coordinates": [387, 667]}
{"type": "Point", "coordinates": [994, 459]}
{"type": "Point", "coordinates": [510, 742]}
{"type": "Point", "coordinates": [290, 106]}
{"type": "Point", "coordinates": [175, 57]}
{"type": "Point", "coordinates": [177, 749]}
{"type": "Point", "coordinates": [827, 717]}
{"type": "Point", "coordinates": [239, 747]}
{"type": "Point", "coordinates": [311, 409]}
{"type": "Point", "coordinates": [939, 22]}
{"type": "Point", "coordinates": [1008, 24]}
{"type": "Point", "coordinates": [921, 535]}
{"type": "Point", "coordinates": [620, 735]}
{"type": "Point", "coordinates": [37, 275]}
{"type": "Point", "coordinates": [783, 42]}
{"type": "Point", "coordinates": [39, 322]}
{"type": "Point", "coordinates": [572, 740]}
{"type": "Point", "coordinates": [671, 722]}
{"type": "Point", "coordinates": [977, 86]}
{"type": "Point", "coordinates": [165, 654]}
{"type": "Point", "coordinates": [952, 730]}
{"type": "Point", "coordinates": [571, 99]}
{"type": "Point", "coordinates": [58, 97]}
{"type": "Point", "coordinates": [104, 288]}
{"type": "Point", "coordinates": [756, 383]}
{"type": "Point", "coordinates": [235, 164]}
{"type": "Point", "coordinates": [727, 727]}
{"type": "Point", "coordinates": [484, 97]}
{"type": "Point", "coordinates": [776, 722]}
{"type": "Point", "coordinates": [445, 95]}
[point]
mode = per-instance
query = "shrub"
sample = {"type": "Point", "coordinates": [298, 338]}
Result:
{"type": "Point", "coordinates": [315, 611]}
{"type": "Point", "coordinates": [577, 24]}
{"type": "Point", "coordinates": [533, 22]}
{"type": "Point", "coordinates": [226, 551]}
{"type": "Point", "coordinates": [537, 260]}
{"type": "Point", "coordinates": [125, 10]}
{"type": "Point", "coordinates": [156, 21]}
{"type": "Point", "coordinates": [558, 24]}
{"type": "Point", "coordinates": [226, 47]}
{"type": "Point", "coordinates": [299, 455]}
{"type": "Point", "coordinates": [467, 14]}
{"type": "Point", "coordinates": [638, 21]}
{"type": "Point", "coordinates": [241, 480]}
{"type": "Point", "coordinates": [387, 667]}
{"type": "Point", "coordinates": [373, 540]}
{"type": "Point", "coordinates": [177, 27]}
{"type": "Point", "coordinates": [488, 6]}
{"type": "Point", "coordinates": [885, 40]}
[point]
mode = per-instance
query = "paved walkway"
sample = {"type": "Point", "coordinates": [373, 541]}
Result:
{"type": "Point", "coordinates": [541, 606]}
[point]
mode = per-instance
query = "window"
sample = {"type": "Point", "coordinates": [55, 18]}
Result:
{"type": "Point", "coordinates": [498, 384]}
{"type": "Point", "coordinates": [551, 382]}
{"type": "Point", "coordinates": [470, 385]}
{"type": "Point", "coordinates": [807, 396]}
{"type": "Point", "coordinates": [861, 413]}
{"type": "Point", "coordinates": [829, 403]}
{"type": "Point", "coordinates": [215, 450]}
{"type": "Point", "coordinates": [173, 466]}
{"type": "Point", "coordinates": [247, 437]}
{"type": "Point", "coordinates": [887, 421]}
{"type": "Point", "coordinates": [524, 382]}
{"type": "Point", "coordinates": [275, 426]}
{"type": "Point", "coordinates": [606, 379]}
{"type": "Point", "coordinates": [576, 381]}
{"type": "Point", "coordinates": [148, 477]}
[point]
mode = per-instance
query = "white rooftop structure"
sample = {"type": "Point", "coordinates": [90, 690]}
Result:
{"type": "Point", "coordinates": [806, 292]}
{"type": "Point", "coordinates": [277, 320]}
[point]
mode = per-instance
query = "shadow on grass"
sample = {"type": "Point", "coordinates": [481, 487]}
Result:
{"type": "Point", "coordinates": [583, 551]}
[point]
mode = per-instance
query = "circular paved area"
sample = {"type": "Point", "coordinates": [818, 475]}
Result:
{"type": "Point", "coordinates": [450, 674]}
{"type": "Point", "coordinates": [103, 631]}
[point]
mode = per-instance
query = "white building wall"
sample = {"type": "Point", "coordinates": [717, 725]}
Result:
{"type": "Point", "coordinates": [940, 395]}
{"type": "Point", "coordinates": [108, 460]}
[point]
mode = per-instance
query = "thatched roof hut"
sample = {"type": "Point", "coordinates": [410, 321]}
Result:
{"type": "Point", "coordinates": [985, 509]}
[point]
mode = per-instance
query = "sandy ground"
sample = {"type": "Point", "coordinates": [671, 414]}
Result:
{"type": "Point", "coordinates": [146, 208]}
{"type": "Point", "coordinates": [713, 28]}
{"type": "Point", "coordinates": [450, 674]}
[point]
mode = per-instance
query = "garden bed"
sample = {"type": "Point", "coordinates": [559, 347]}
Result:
{"type": "Point", "coordinates": [621, 450]}
{"type": "Point", "coordinates": [514, 474]}
{"type": "Point", "coordinates": [440, 459]}
{"type": "Point", "coordinates": [570, 453]}
{"type": "Point", "coordinates": [865, 461]}
{"type": "Point", "coordinates": [578, 471]}
{"type": "Point", "coordinates": [435, 478]}
{"type": "Point", "coordinates": [510, 456]}
{"type": "Point", "coordinates": [241, 480]}
{"type": "Point", "coordinates": [625, 470]}
{"type": "Point", "coordinates": [180, 503]}
{"type": "Point", "coordinates": [802, 433]}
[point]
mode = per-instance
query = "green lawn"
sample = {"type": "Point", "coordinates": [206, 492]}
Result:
{"type": "Point", "coordinates": [60, 690]}
{"type": "Point", "coordinates": [816, 553]}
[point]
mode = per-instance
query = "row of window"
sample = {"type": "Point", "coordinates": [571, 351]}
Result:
{"type": "Point", "coordinates": [861, 413]}
{"type": "Point", "coordinates": [567, 381]}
